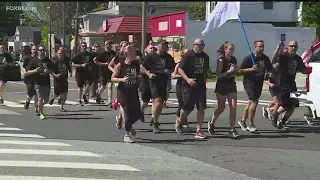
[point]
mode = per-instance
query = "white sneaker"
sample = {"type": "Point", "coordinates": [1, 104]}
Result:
{"type": "Point", "coordinates": [127, 139]}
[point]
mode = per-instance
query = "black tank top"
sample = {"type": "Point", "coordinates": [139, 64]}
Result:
{"type": "Point", "coordinates": [132, 70]}
{"type": "Point", "coordinates": [226, 65]}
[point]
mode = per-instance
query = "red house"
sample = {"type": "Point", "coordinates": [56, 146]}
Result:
{"type": "Point", "coordinates": [172, 28]}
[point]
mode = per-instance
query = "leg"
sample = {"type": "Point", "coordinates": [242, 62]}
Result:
{"type": "Point", "coordinates": [232, 101]}
{"type": "Point", "coordinates": [110, 91]}
{"type": "Point", "coordinates": [2, 86]}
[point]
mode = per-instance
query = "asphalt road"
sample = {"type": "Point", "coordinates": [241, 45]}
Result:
{"type": "Point", "coordinates": [88, 135]}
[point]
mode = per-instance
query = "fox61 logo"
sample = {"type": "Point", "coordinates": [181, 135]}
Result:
{"type": "Point", "coordinates": [20, 8]}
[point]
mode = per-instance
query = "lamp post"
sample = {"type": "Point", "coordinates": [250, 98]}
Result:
{"type": "Point", "coordinates": [49, 19]}
{"type": "Point", "coordinates": [144, 24]}
{"type": "Point", "coordinates": [63, 24]}
{"type": "Point", "coordinates": [76, 31]}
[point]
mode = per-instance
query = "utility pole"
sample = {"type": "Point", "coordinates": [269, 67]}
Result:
{"type": "Point", "coordinates": [64, 25]}
{"type": "Point", "coordinates": [144, 24]}
{"type": "Point", "coordinates": [49, 19]}
{"type": "Point", "coordinates": [76, 31]}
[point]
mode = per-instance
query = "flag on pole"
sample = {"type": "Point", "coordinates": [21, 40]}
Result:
{"type": "Point", "coordinates": [307, 53]}
{"type": "Point", "coordinates": [223, 12]}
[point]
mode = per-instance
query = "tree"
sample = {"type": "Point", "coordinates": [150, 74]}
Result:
{"type": "Point", "coordinates": [198, 10]}
{"type": "Point", "coordinates": [9, 19]}
{"type": "Point", "coordinates": [310, 15]}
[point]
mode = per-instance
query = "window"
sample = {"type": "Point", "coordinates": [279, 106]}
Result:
{"type": "Point", "coordinates": [267, 5]}
{"type": "Point", "coordinates": [163, 26]}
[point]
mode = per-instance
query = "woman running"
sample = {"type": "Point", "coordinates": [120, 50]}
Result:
{"type": "Point", "coordinates": [226, 87]}
{"type": "Point", "coordinates": [126, 74]}
{"type": "Point", "coordinates": [120, 56]}
{"type": "Point", "coordinates": [176, 75]}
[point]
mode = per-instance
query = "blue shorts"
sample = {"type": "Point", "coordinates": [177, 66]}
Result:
{"type": "Point", "coordinates": [169, 82]}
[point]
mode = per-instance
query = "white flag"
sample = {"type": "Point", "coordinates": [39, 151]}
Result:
{"type": "Point", "coordinates": [223, 12]}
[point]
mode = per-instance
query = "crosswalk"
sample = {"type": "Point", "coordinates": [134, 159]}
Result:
{"type": "Point", "coordinates": [36, 158]}
{"type": "Point", "coordinates": [92, 102]}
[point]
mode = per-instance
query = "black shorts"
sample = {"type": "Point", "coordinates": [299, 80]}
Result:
{"type": "Point", "coordinates": [3, 79]}
{"type": "Point", "coordinates": [60, 86]}
{"type": "Point", "coordinates": [274, 91]}
{"type": "Point", "coordinates": [104, 79]}
{"type": "Point", "coordinates": [253, 91]}
{"type": "Point", "coordinates": [144, 88]}
{"type": "Point", "coordinates": [158, 90]}
{"type": "Point", "coordinates": [179, 93]}
{"type": "Point", "coordinates": [30, 88]}
{"type": "Point", "coordinates": [225, 88]}
{"type": "Point", "coordinates": [286, 101]}
{"type": "Point", "coordinates": [83, 80]}
{"type": "Point", "coordinates": [192, 96]}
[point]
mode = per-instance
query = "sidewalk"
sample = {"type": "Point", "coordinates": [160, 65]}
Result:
{"type": "Point", "coordinates": [300, 80]}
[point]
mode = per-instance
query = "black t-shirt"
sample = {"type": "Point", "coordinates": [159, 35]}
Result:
{"type": "Point", "coordinates": [139, 55]}
{"type": "Point", "coordinates": [81, 58]}
{"type": "Point", "coordinates": [60, 67]}
{"type": "Point", "coordinates": [27, 65]}
{"type": "Point", "coordinates": [256, 77]}
{"type": "Point", "coordinates": [119, 57]}
{"type": "Point", "coordinates": [132, 71]}
{"type": "Point", "coordinates": [195, 65]}
{"type": "Point", "coordinates": [289, 65]}
{"type": "Point", "coordinates": [157, 64]}
{"type": "Point", "coordinates": [225, 67]}
{"type": "Point", "coordinates": [5, 57]}
{"type": "Point", "coordinates": [105, 56]}
{"type": "Point", "coordinates": [42, 78]}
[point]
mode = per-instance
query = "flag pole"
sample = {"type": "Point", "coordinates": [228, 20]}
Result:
{"type": "Point", "coordinates": [246, 37]}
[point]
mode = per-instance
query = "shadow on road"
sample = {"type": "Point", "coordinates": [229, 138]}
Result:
{"type": "Point", "coordinates": [166, 141]}
{"type": "Point", "coordinates": [89, 110]}
{"type": "Point", "coordinates": [74, 118]}
{"type": "Point", "coordinates": [71, 114]}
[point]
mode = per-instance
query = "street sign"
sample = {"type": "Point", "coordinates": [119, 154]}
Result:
{"type": "Point", "coordinates": [130, 38]}
{"type": "Point", "coordinates": [283, 37]}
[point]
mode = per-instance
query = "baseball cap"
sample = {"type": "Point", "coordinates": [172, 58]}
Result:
{"type": "Point", "coordinates": [108, 42]}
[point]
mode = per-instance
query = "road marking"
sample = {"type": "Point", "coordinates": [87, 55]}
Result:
{"type": "Point", "coordinates": [1, 124]}
{"type": "Point", "coordinates": [9, 129]}
{"type": "Point", "coordinates": [45, 178]}
{"type": "Point", "coordinates": [48, 152]}
{"type": "Point", "coordinates": [71, 165]}
{"type": "Point", "coordinates": [22, 102]}
{"type": "Point", "coordinates": [34, 143]}
{"type": "Point", "coordinates": [21, 135]}
{"type": "Point", "coordinates": [7, 112]}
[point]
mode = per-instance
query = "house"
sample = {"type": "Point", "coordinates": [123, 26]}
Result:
{"type": "Point", "coordinates": [24, 35]}
{"type": "Point", "coordinates": [277, 13]}
{"type": "Point", "coordinates": [91, 22]}
{"type": "Point", "coordinates": [180, 31]}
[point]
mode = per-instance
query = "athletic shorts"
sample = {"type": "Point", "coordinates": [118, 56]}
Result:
{"type": "Point", "coordinates": [3, 79]}
{"type": "Point", "coordinates": [192, 96]}
{"type": "Point", "coordinates": [179, 94]}
{"type": "Point", "coordinates": [30, 88]}
{"type": "Point", "coordinates": [158, 91]}
{"type": "Point", "coordinates": [83, 80]}
{"type": "Point", "coordinates": [169, 84]}
{"type": "Point", "coordinates": [43, 92]}
{"type": "Point", "coordinates": [104, 80]}
{"type": "Point", "coordinates": [60, 87]}
{"type": "Point", "coordinates": [225, 88]}
{"type": "Point", "coordinates": [274, 91]}
{"type": "Point", "coordinates": [286, 101]}
{"type": "Point", "coordinates": [253, 91]}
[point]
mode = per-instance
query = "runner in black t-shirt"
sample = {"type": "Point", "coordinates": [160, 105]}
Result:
{"type": "Point", "coordinates": [253, 82]}
{"type": "Point", "coordinates": [103, 59]}
{"type": "Point", "coordinates": [193, 68]}
{"type": "Point", "coordinates": [95, 71]}
{"type": "Point", "coordinates": [157, 67]}
{"type": "Point", "coordinates": [226, 88]}
{"type": "Point", "coordinates": [60, 67]}
{"type": "Point", "coordinates": [126, 73]}
{"type": "Point", "coordinates": [5, 60]}
{"type": "Point", "coordinates": [83, 62]}
{"type": "Point", "coordinates": [288, 64]}
{"type": "Point", "coordinates": [29, 56]}
{"type": "Point", "coordinates": [41, 68]}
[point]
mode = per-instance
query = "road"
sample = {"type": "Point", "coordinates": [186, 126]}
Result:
{"type": "Point", "coordinates": [86, 140]}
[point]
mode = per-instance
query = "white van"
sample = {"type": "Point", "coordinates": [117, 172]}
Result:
{"type": "Point", "coordinates": [310, 95]}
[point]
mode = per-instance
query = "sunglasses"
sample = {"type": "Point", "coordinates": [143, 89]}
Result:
{"type": "Point", "coordinates": [83, 46]}
{"type": "Point", "coordinates": [293, 46]}
{"type": "Point", "coordinates": [41, 50]}
{"type": "Point", "coordinates": [201, 45]}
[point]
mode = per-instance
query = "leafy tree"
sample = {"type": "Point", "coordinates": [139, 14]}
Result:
{"type": "Point", "coordinates": [310, 15]}
{"type": "Point", "coordinates": [9, 19]}
{"type": "Point", "coordinates": [44, 35]}
{"type": "Point", "coordinates": [198, 10]}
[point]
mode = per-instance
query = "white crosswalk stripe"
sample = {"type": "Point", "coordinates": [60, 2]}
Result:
{"type": "Point", "coordinates": [28, 154]}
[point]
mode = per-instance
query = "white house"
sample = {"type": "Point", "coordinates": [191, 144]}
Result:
{"type": "Point", "coordinates": [277, 13]}
{"type": "Point", "coordinates": [24, 35]}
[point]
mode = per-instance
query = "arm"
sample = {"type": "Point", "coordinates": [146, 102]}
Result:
{"type": "Point", "coordinates": [301, 67]}
{"type": "Point", "coordinates": [245, 66]}
{"type": "Point", "coordinates": [75, 62]}
{"type": "Point", "coordinates": [145, 71]}
{"type": "Point", "coordinates": [219, 69]}
{"type": "Point", "coordinates": [175, 73]}
{"type": "Point", "coordinates": [111, 64]}
{"type": "Point", "coordinates": [115, 74]}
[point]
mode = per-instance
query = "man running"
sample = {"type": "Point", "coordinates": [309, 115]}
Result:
{"type": "Point", "coordinates": [253, 82]}
{"type": "Point", "coordinates": [157, 67]}
{"type": "Point", "coordinates": [95, 72]}
{"type": "Point", "coordinates": [288, 64]}
{"type": "Point", "coordinates": [60, 67]}
{"type": "Point", "coordinates": [193, 68]}
{"type": "Point", "coordinates": [83, 62]}
{"type": "Point", "coordinates": [5, 60]}
{"type": "Point", "coordinates": [103, 59]}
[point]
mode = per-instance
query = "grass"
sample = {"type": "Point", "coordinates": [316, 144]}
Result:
{"type": "Point", "coordinates": [212, 77]}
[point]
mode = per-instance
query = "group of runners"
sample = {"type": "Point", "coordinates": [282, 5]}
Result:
{"type": "Point", "coordinates": [150, 74]}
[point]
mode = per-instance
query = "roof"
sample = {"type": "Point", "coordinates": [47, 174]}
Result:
{"type": "Point", "coordinates": [126, 24]}
{"type": "Point", "coordinates": [169, 14]}
{"type": "Point", "coordinates": [109, 12]}
{"type": "Point", "coordinates": [25, 31]}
